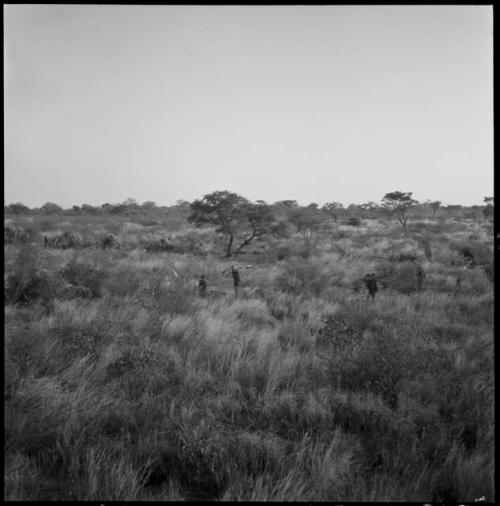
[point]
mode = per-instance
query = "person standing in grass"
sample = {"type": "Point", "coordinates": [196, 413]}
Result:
{"type": "Point", "coordinates": [202, 286]}
{"type": "Point", "coordinates": [371, 284]}
{"type": "Point", "coordinates": [236, 279]}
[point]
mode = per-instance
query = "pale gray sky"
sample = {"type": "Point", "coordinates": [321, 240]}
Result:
{"type": "Point", "coordinates": [313, 103]}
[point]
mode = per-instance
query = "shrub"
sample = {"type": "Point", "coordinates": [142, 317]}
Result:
{"type": "Point", "coordinates": [283, 252]}
{"type": "Point", "coordinates": [296, 335]}
{"type": "Point", "coordinates": [15, 234]}
{"type": "Point", "coordinates": [303, 278]}
{"type": "Point", "coordinates": [64, 241]}
{"type": "Point", "coordinates": [86, 280]}
{"type": "Point", "coordinates": [377, 363]}
{"type": "Point", "coordinates": [190, 243]}
{"type": "Point", "coordinates": [280, 305]}
{"type": "Point", "coordinates": [354, 221]}
{"type": "Point", "coordinates": [404, 276]}
{"type": "Point", "coordinates": [155, 246]}
{"type": "Point", "coordinates": [29, 283]}
{"type": "Point", "coordinates": [425, 243]}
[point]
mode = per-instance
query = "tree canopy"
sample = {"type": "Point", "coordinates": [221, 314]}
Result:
{"type": "Point", "coordinates": [235, 217]}
{"type": "Point", "coordinates": [399, 203]}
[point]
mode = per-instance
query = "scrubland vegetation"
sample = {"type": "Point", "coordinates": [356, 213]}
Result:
{"type": "Point", "coordinates": [122, 383]}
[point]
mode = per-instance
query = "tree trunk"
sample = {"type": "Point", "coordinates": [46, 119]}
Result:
{"type": "Point", "coordinates": [229, 247]}
{"type": "Point", "coordinates": [244, 244]}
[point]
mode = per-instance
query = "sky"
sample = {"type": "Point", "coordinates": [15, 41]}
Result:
{"type": "Point", "coordinates": [309, 103]}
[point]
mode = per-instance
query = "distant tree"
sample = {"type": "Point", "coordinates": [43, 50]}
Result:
{"type": "Point", "coordinates": [434, 205]}
{"type": "Point", "coordinates": [488, 210]}
{"type": "Point", "coordinates": [258, 220]}
{"type": "Point", "coordinates": [17, 208]}
{"type": "Point", "coordinates": [281, 228]}
{"type": "Point", "coordinates": [76, 209]}
{"type": "Point", "coordinates": [308, 222]}
{"type": "Point", "coordinates": [399, 203]}
{"type": "Point", "coordinates": [149, 205]}
{"type": "Point", "coordinates": [119, 209]}
{"type": "Point", "coordinates": [354, 221]}
{"type": "Point", "coordinates": [313, 206]}
{"type": "Point", "coordinates": [182, 204]}
{"type": "Point", "coordinates": [130, 205]}
{"type": "Point", "coordinates": [88, 209]}
{"type": "Point", "coordinates": [235, 217]}
{"type": "Point", "coordinates": [368, 208]}
{"type": "Point", "coordinates": [130, 202]}
{"type": "Point", "coordinates": [290, 204]}
{"type": "Point", "coordinates": [51, 208]}
{"type": "Point", "coordinates": [333, 209]}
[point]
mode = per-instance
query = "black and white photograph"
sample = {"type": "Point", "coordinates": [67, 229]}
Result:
{"type": "Point", "coordinates": [249, 253]}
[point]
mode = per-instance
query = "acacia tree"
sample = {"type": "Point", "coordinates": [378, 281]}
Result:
{"type": "Point", "coordinates": [51, 208]}
{"type": "Point", "coordinates": [369, 208]}
{"type": "Point", "coordinates": [307, 221]}
{"type": "Point", "coordinates": [17, 208]}
{"type": "Point", "coordinates": [333, 209]}
{"type": "Point", "coordinates": [258, 220]}
{"type": "Point", "coordinates": [235, 217]}
{"type": "Point", "coordinates": [399, 203]}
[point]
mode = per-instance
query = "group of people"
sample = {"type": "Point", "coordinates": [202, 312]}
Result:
{"type": "Point", "coordinates": [202, 284]}
{"type": "Point", "coordinates": [370, 281]}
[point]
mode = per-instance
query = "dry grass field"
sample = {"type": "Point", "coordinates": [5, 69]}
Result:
{"type": "Point", "coordinates": [122, 383]}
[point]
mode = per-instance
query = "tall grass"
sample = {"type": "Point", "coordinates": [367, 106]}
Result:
{"type": "Point", "coordinates": [123, 384]}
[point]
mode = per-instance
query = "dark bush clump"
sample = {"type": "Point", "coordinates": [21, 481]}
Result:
{"type": "Point", "coordinates": [29, 283]}
{"type": "Point", "coordinates": [354, 221]}
{"type": "Point", "coordinates": [86, 281]}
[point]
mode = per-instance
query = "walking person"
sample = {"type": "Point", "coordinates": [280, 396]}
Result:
{"type": "Point", "coordinates": [236, 279]}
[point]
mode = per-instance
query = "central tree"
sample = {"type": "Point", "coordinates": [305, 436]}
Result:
{"type": "Point", "coordinates": [399, 203]}
{"type": "Point", "coordinates": [235, 217]}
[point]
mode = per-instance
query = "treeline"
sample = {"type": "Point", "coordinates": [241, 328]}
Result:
{"type": "Point", "coordinates": [335, 209]}
{"type": "Point", "coordinates": [129, 206]}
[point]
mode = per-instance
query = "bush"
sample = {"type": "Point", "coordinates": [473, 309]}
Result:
{"type": "Point", "coordinates": [29, 283]}
{"type": "Point", "coordinates": [354, 221]}
{"type": "Point", "coordinates": [374, 365]}
{"type": "Point", "coordinates": [283, 252]}
{"type": "Point", "coordinates": [14, 234]}
{"type": "Point", "coordinates": [404, 276]}
{"type": "Point", "coordinates": [303, 278]}
{"type": "Point", "coordinates": [280, 305]}
{"type": "Point", "coordinates": [86, 280]}
{"type": "Point", "coordinates": [190, 243]}
{"type": "Point", "coordinates": [65, 240]}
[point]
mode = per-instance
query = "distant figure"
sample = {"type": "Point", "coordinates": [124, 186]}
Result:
{"type": "Point", "coordinates": [202, 286]}
{"type": "Point", "coordinates": [110, 241]}
{"type": "Point", "coordinates": [46, 241]}
{"type": "Point", "coordinates": [371, 284]}
{"type": "Point", "coordinates": [236, 279]}
{"type": "Point", "coordinates": [420, 277]}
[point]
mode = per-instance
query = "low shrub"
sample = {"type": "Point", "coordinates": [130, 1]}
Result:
{"type": "Point", "coordinates": [85, 279]}
{"type": "Point", "coordinates": [28, 282]}
{"type": "Point", "coordinates": [354, 221]}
